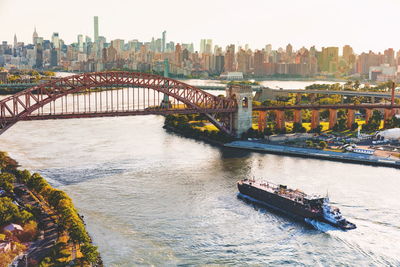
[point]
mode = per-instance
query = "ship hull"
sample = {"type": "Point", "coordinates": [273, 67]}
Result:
{"type": "Point", "coordinates": [347, 226]}
{"type": "Point", "coordinates": [277, 202]}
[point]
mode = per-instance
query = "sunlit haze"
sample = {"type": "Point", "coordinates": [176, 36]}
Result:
{"type": "Point", "coordinates": [365, 25]}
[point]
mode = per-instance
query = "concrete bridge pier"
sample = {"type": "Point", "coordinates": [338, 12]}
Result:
{"type": "Point", "coordinates": [297, 116]}
{"type": "Point", "coordinates": [280, 119]}
{"type": "Point", "coordinates": [242, 119]}
{"type": "Point", "coordinates": [262, 123]}
{"type": "Point", "coordinates": [387, 116]}
{"type": "Point", "coordinates": [314, 118]}
{"type": "Point", "coordinates": [368, 114]}
{"type": "Point", "coordinates": [332, 118]}
{"type": "Point", "coordinates": [350, 118]}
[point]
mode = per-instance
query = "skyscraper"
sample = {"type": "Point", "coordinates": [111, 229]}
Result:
{"type": "Point", "coordinates": [259, 62]}
{"type": "Point", "coordinates": [205, 46]}
{"type": "Point", "coordinates": [164, 39]}
{"type": "Point", "coordinates": [15, 41]}
{"type": "Point", "coordinates": [80, 42]}
{"type": "Point", "coordinates": [329, 59]}
{"type": "Point", "coordinates": [96, 29]}
{"type": "Point", "coordinates": [34, 36]}
{"type": "Point", "coordinates": [289, 50]}
{"type": "Point", "coordinates": [39, 55]}
{"type": "Point", "coordinates": [55, 39]}
{"type": "Point", "coordinates": [347, 53]}
{"type": "Point", "coordinates": [15, 46]}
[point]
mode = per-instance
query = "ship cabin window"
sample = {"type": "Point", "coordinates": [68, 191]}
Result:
{"type": "Point", "coordinates": [245, 102]}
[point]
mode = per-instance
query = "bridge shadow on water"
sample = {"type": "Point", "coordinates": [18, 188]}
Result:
{"type": "Point", "coordinates": [229, 153]}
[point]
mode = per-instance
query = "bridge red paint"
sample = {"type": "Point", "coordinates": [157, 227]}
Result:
{"type": "Point", "coordinates": [77, 97]}
{"type": "Point", "coordinates": [336, 106]}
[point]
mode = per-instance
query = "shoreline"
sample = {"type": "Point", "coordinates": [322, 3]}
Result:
{"type": "Point", "coordinates": [198, 138]}
{"type": "Point", "coordinates": [347, 157]}
{"type": "Point", "coordinates": [61, 232]}
{"type": "Point", "coordinates": [256, 146]}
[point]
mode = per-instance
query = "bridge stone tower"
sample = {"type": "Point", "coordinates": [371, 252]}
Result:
{"type": "Point", "coordinates": [242, 119]}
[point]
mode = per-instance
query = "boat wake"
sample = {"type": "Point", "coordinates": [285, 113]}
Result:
{"type": "Point", "coordinates": [321, 226]}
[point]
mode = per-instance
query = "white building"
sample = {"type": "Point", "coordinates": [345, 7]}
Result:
{"type": "Point", "coordinates": [233, 76]}
{"type": "Point", "coordinates": [385, 71]}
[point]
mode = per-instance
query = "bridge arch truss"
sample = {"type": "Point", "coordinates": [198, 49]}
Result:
{"type": "Point", "coordinates": [129, 93]}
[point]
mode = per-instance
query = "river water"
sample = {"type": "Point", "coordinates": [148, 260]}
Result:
{"type": "Point", "coordinates": [273, 84]}
{"type": "Point", "coordinates": [152, 198]}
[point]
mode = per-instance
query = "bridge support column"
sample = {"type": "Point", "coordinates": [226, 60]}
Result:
{"type": "Point", "coordinates": [388, 114]}
{"type": "Point", "coordinates": [297, 116]}
{"type": "Point", "coordinates": [368, 114]}
{"type": "Point", "coordinates": [312, 98]}
{"type": "Point", "coordinates": [332, 118]}
{"type": "Point", "coordinates": [373, 100]}
{"type": "Point", "coordinates": [242, 119]}
{"type": "Point", "coordinates": [350, 118]}
{"type": "Point", "coordinates": [280, 119]}
{"type": "Point", "coordinates": [262, 120]}
{"type": "Point", "coordinates": [165, 103]}
{"type": "Point", "coordinates": [298, 98]}
{"type": "Point", "coordinates": [314, 118]}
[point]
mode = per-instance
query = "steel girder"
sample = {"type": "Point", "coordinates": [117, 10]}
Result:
{"type": "Point", "coordinates": [20, 105]}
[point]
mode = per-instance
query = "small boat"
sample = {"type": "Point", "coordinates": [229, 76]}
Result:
{"type": "Point", "coordinates": [333, 216]}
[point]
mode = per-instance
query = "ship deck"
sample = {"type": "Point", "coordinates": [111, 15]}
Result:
{"type": "Point", "coordinates": [293, 195]}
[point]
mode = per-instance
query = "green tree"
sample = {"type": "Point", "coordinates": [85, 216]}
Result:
{"type": "Point", "coordinates": [310, 143]}
{"type": "Point", "coordinates": [24, 176]}
{"type": "Point", "coordinates": [90, 253]}
{"type": "Point", "coordinates": [6, 163]}
{"type": "Point", "coordinates": [354, 126]}
{"type": "Point", "coordinates": [317, 129]}
{"type": "Point", "coordinates": [323, 144]}
{"type": "Point", "coordinates": [6, 181]}
{"type": "Point", "coordinates": [37, 182]}
{"type": "Point", "coordinates": [9, 212]}
{"type": "Point", "coordinates": [78, 233]}
{"type": "Point", "coordinates": [356, 84]}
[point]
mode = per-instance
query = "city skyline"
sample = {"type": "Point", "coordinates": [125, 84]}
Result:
{"type": "Point", "coordinates": [366, 29]}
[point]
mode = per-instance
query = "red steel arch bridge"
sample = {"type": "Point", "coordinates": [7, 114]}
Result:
{"type": "Point", "coordinates": [129, 93]}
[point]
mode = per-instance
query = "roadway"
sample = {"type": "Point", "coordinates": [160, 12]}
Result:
{"type": "Point", "coordinates": [23, 86]}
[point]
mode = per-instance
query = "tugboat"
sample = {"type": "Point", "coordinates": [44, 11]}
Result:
{"type": "Point", "coordinates": [293, 202]}
{"type": "Point", "coordinates": [333, 216]}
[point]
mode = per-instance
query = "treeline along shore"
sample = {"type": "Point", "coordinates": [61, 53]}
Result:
{"type": "Point", "coordinates": [39, 225]}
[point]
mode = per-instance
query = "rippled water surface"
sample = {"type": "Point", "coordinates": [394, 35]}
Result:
{"type": "Point", "coordinates": [153, 198]}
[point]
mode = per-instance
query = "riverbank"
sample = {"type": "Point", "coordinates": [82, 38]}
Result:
{"type": "Point", "coordinates": [58, 236]}
{"type": "Point", "coordinates": [187, 126]}
{"type": "Point", "coordinates": [314, 153]}
{"type": "Point", "coordinates": [200, 138]}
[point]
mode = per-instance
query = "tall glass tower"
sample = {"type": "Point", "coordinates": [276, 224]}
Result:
{"type": "Point", "coordinates": [164, 39]}
{"type": "Point", "coordinates": [96, 29]}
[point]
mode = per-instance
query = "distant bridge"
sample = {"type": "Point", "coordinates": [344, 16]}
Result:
{"type": "Point", "coordinates": [140, 94]}
{"type": "Point", "coordinates": [81, 96]}
{"type": "Point", "coordinates": [255, 88]}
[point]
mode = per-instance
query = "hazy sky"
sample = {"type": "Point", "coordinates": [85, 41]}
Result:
{"type": "Point", "coordinates": [364, 24]}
